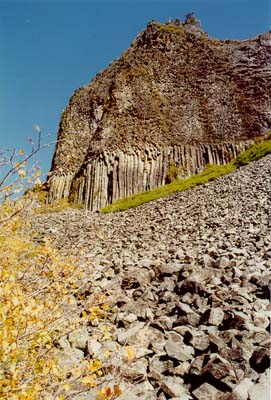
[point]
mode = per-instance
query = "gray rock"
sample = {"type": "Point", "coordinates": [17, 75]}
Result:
{"type": "Point", "coordinates": [260, 319]}
{"type": "Point", "coordinates": [260, 391]}
{"type": "Point", "coordinates": [218, 367]}
{"type": "Point", "coordinates": [144, 391]}
{"type": "Point", "coordinates": [206, 392]}
{"type": "Point", "coordinates": [224, 262]}
{"type": "Point", "coordinates": [125, 336]}
{"type": "Point", "coordinates": [129, 318]}
{"type": "Point", "coordinates": [137, 371]}
{"type": "Point", "coordinates": [132, 396]}
{"type": "Point", "coordinates": [179, 351]}
{"type": "Point", "coordinates": [216, 316]}
{"type": "Point", "coordinates": [88, 395]}
{"type": "Point", "coordinates": [148, 337]}
{"type": "Point", "coordinates": [93, 347]}
{"type": "Point", "coordinates": [69, 358]}
{"type": "Point", "coordinates": [216, 340]}
{"type": "Point", "coordinates": [63, 342]}
{"type": "Point", "coordinates": [156, 365]}
{"type": "Point", "coordinates": [242, 388]}
{"type": "Point", "coordinates": [200, 341]}
{"type": "Point", "coordinates": [173, 386]}
{"type": "Point", "coordinates": [196, 366]}
{"type": "Point", "coordinates": [182, 397]}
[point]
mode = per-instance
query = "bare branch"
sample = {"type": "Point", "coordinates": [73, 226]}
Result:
{"type": "Point", "coordinates": [14, 169]}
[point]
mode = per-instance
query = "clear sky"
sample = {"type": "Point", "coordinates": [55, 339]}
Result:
{"type": "Point", "coordinates": [50, 48]}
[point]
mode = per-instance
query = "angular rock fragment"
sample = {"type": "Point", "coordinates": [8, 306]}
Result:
{"type": "Point", "coordinates": [228, 396]}
{"type": "Point", "coordinates": [260, 391]}
{"type": "Point", "coordinates": [93, 347]}
{"type": "Point", "coordinates": [232, 321]}
{"type": "Point", "coordinates": [189, 286]}
{"type": "Point", "coordinates": [217, 367]}
{"type": "Point", "coordinates": [199, 340]}
{"type": "Point", "coordinates": [124, 336]}
{"type": "Point", "coordinates": [242, 388]}
{"type": "Point", "coordinates": [260, 360]}
{"type": "Point", "coordinates": [173, 386]}
{"type": "Point", "coordinates": [179, 351]}
{"type": "Point", "coordinates": [206, 392]}
{"type": "Point", "coordinates": [216, 316]}
{"type": "Point", "coordinates": [79, 338]}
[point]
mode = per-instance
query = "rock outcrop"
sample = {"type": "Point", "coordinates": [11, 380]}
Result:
{"type": "Point", "coordinates": [187, 280]}
{"type": "Point", "coordinates": [175, 97]}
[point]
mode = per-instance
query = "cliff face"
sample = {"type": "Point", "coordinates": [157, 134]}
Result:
{"type": "Point", "coordinates": [175, 97]}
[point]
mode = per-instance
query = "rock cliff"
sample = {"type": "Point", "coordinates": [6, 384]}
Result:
{"type": "Point", "coordinates": [175, 99]}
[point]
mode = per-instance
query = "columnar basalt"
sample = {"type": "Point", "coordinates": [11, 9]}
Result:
{"type": "Point", "coordinates": [117, 174]}
{"type": "Point", "coordinates": [175, 96]}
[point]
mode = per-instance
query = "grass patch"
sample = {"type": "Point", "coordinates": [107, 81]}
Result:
{"type": "Point", "coordinates": [170, 28]}
{"type": "Point", "coordinates": [253, 153]}
{"type": "Point", "coordinates": [209, 174]}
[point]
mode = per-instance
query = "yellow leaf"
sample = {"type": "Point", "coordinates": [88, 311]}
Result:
{"type": "Point", "coordinates": [21, 152]}
{"type": "Point", "coordinates": [130, 353]}
{"type": "Point", "coordinates": [37, 387]}
{"type": "Point", "coordinates": [54, 369]}
{"type": "Point", "coordinates": [66, 387]}
{"type": "Point", "coordinates": [13, 346]}
{"type": "Point", "coordinates": [107, 353]}
{"type": "Point", "coordinates": [107, 391]}
{"type": "Point", "coordinates": [117, 390]}
{"type": "Point", "coordinates": [21, 172]}
{"type": "Point", "coordinates": [88, 380]}
{"type": "Point", "coordinates": [15, 301]}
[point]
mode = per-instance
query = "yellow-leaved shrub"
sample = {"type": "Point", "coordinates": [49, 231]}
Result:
{"type": "Point", "coordinates": [39, 288]}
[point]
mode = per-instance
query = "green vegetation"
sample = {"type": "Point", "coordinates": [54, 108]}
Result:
{"type": "Point", "coordinates": [39, 191]}
{"type": "Point", "coordinates": [171, 28]}
{"type": "Point", "coordinates": [172, 172]}
{"type": "Point", "coordinates": [208, 174]}
{"type": "Point", "coordinates": [138, 70]}
{"type": "Point", "coordinates": [253, 153]}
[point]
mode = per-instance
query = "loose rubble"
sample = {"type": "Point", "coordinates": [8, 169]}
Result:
{"type": "Point", "coordinates": [187, 280]}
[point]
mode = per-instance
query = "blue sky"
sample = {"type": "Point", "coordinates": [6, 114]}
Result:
{"type": "Point", "coordinates": [49, 48]}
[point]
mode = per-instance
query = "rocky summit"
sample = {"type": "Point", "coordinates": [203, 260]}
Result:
{"type": "Point", "coordinates": [187, 280]}
{"type": "Point", "coordinates": [176, 98]}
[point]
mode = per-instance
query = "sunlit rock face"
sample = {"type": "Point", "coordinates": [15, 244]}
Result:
{"type": "Point", "coordinates": [175, 97]}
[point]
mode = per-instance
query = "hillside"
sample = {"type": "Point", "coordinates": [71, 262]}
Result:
{"type": "Point", "coordinates": [187, 280]}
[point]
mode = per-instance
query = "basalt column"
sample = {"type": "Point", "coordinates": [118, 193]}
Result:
{"type": "Point", "coordinates": [111, 176]}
